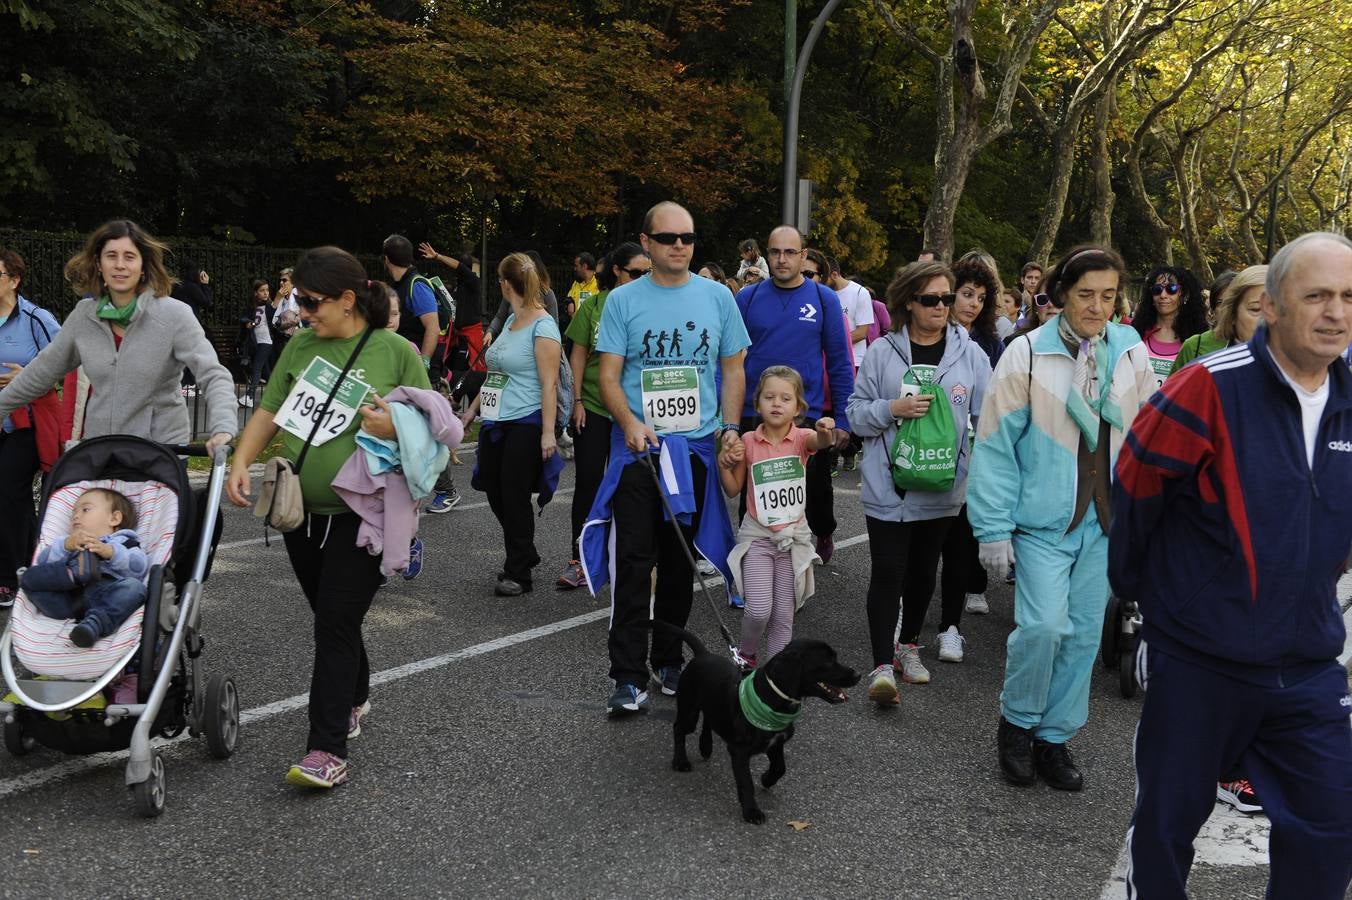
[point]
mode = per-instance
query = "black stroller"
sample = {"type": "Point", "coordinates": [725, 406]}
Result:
{"type": "Point", "coordinates": [60, 701]}
{"type": "Point", "coordinates": [1121, 637]}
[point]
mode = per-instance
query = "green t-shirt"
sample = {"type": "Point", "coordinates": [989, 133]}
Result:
{"type": "Point", "coordinates": [386, 362]}
{"type": "Point", "coordinates": [582, 330]}
{"type": "Point", "coordinates": [1196, 346]}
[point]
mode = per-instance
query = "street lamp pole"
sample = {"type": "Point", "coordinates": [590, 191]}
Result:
{"type": "Point", "coordinates": [790, 206]}
{"type": "Point", "coordinates": [790, 47]}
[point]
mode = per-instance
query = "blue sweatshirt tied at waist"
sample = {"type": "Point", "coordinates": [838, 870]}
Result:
{"type": "Point", "coordinates": [713, 536]}
{"type": "Point", "coordinates": [546, 484]}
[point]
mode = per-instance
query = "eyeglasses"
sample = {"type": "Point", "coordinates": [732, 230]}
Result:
{"type": "Point", "coordinates": [1159, 289]}
{"type": "Point", "coordinates": [310, 304]}
{"type": "Point", "coordinates": [1047, 299]}
{"type": "Point", "coordinates": [635, 273]}
{"type": "Point", "coordinates": [933, 300]}
{"type": "Point", "coordinates": [787, 253]}
{"type": "Point", "coordinates": [669, 238]}
{"type": "Point", "coordinates": [811, 273]}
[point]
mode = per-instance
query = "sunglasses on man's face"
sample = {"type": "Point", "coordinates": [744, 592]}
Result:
{"type": "Point", "coordinates": [669, 238]}
{"type": "Point", "coordinates": [1048, 300]}
{"type": "Point", "coordinates": [1160, 289]}
{"type": "Point", "coordinates": [933, 300]}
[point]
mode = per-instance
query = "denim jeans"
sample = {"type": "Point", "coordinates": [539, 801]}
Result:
{"type": "Point", "coordinates": [110, 601]}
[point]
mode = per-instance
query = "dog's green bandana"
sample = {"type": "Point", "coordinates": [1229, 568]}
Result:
{"type": "Point", "coordinates": [758, 713]}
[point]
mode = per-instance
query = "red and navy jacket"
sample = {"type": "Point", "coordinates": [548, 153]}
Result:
{"type": "Point", "coordinates": [1221, 531]}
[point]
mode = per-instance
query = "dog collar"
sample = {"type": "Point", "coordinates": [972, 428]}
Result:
{"type": "Point", "coordinates": [783, 696]}
{"type": "Point", "coordinates": [758, 713]}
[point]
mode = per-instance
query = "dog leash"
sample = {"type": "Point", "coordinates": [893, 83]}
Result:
{"type": "Point", "coordinates": [689, 556]}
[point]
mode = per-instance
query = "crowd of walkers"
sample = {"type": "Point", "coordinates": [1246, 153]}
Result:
{"type": "Point", "coordinates": [1187, 449]}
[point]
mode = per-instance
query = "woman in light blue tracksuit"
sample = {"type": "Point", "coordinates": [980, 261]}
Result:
{"type": "Point", "coordinates": [1060, 404]}
{"type": "Point", "coordinates": [906, 529]}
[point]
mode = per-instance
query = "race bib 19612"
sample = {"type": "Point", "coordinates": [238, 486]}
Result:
{"type": "Point", "coordinates": [303, 406]}
{"type": "Point", "coordinates": [490, 395]}
{"type": "Point", "coordinates": [779, 485]}
{"type": "Point", "coordinates": [671, 398]}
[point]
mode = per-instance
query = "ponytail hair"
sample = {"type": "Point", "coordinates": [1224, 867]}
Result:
{"type": "Point", "coordinates": [332, 270]}
{"type": "Point", "coordinates": [520, 271]}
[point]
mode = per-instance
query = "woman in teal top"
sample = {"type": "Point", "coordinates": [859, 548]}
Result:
{"type": "Point", "coordinates": [518, 404]}
{"type": "Point", "coordinates": [590, 420]}
{"type": "Point", "coordinates": [1237, 317]}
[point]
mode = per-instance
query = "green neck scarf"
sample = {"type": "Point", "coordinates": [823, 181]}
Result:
{"type": "Point", "coordinates": [758, 713]}
{"type": "Point", "coordinates": [114, 314]}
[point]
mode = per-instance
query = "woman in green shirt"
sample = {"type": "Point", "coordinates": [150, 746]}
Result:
{"type": "Point", "coordinates": [589, 419]}
{"type": "Point", "coordinates": [1237, 317]}
{"type": "Point", "coordinates": [346, 312]}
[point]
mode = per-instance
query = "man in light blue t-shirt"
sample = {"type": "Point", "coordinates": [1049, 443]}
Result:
{"type": "Point", "coordinates": [664, 340]}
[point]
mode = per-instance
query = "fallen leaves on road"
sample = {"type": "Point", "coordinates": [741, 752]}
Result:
{"type": "Point", "coordinates": [799, 824]}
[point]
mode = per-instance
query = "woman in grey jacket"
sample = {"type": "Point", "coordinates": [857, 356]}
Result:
{"type": "Point", "coordinates": [906, 529]}
{"type": "Point", "coordinates": [134, 343]}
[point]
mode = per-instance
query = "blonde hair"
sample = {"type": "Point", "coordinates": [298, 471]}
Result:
{"type": "Point", "coordinates": [82, 269]}
{"type": "Point", "coordinates": [518, 270]}
{"type": "Point", "coordinates": [1228, 308]}
{"type": "Point", "coordinates": [789, 374]}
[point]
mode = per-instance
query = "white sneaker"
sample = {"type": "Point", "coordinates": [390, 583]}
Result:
{"type": "Point", "coordinates": [913, 671]}
{"type": "Point", "coordinates": [882, 686]}
{"type": "Point", "coordinates": [950, 644]}
{"type": "Point", "coordinates": [977, 605]}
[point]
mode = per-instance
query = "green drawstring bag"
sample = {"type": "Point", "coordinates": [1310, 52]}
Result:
{"type": "Point", "coordinates": [924, 453]}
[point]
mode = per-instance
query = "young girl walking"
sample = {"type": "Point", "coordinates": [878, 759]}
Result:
{"type": "Point", "coordinates": [772, 562]}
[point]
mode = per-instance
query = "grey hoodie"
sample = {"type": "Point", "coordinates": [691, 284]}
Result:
{"type": "Point", "coordinates": [963, 372]}
{"type": "Point", "coordinates": [135, 390]}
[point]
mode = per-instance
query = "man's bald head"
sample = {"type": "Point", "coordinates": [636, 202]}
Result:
{"type": "Point", "coordinates": [1315, 242]}
{"type": "Point", "coordinates": [666, 206]}
{"type": "Point", "coordinates": [785, 233]}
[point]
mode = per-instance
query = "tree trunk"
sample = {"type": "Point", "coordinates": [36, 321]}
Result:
{"type": "Point", "coordinates": [950, 179]}
{"type": "Point", "coordinates": [1101, 219]}
{"type": "Point", "coordinates": [1054, 208]}
{"type": "Point", "coordinates": [1187, 206]}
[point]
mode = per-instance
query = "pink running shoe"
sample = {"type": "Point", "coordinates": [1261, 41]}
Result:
{"type": "Point", "coordinates": [318, 770]}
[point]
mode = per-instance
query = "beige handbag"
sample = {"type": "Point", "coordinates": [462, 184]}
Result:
{"type": "Point", "coordinates": [280, 503]}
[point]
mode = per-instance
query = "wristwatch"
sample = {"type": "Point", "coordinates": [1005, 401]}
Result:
{"type": "Point", "coordinates": [730, 426]}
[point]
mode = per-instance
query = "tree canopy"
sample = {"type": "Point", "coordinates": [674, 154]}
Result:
{"type": "Point", "coordinates": [1183, 130]}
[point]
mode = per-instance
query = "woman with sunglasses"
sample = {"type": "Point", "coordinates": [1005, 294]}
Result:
{"type": "Point", "coordinates": [519, 403]}
{"type": "Point", "coordinates": [346, 313]}
{"type": "Point", "coordinates": [1171, 311]}
{"type": "Point", "coordinates": [1045, 308]}
{"type": "Point", "coordinates": [906, 530]}
{"type": "Point", "coordinates": [589, 418]}
{"type": "Point", "coordinates": [134, 342]}
{"type": "Point", "coordinates": [1060, 404]}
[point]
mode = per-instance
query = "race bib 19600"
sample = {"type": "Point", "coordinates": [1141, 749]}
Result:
{"type": "Point", "coordinates": [671, 398]}
{"type": "Point", "coordinates": [490, 395]}
{"type": "Point", "coordinates": [779, 485]}
{"type": "Point", "coordinates": [303, 405]}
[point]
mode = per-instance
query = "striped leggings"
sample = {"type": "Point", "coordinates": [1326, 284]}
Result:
{"type": "Point", "coordinates": [767, 583]}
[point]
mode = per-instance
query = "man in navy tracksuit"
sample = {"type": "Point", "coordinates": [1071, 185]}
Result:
{"type": "Point", "coordinates": [1232, 523]}
{"type": "Point", "coordinates": [796, 321]}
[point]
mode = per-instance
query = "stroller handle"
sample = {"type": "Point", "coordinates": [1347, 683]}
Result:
{"type": "Point", "coordinates": [222, 453]}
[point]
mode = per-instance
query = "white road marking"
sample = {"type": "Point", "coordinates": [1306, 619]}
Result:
{"type": "Point", "coordinates": [40, 777]}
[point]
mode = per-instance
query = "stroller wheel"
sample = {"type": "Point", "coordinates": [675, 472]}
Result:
{"type": "Point", "coordinates": [220, 718]}
{"type": "Point", "coordinates": [1126, 672]}
{"type": "Point", "coordinates": [16, 742]}
{"type": "Point", "coordinates": [1112, 633]}
{"type": "Point", "coordinates": [149, 794]}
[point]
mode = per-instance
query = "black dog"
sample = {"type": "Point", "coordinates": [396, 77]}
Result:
{"type": "Point", "coordinates": [711, 685]}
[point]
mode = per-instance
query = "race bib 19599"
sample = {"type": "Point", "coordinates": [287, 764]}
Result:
{"type": "Point", "coordinates": [303, 405]}
{"type": "Point", "coordinates": [779, 485]}
{"type": "Point", "coordinates": [671, 398]}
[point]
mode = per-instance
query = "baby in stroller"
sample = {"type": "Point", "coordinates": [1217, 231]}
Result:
{"type": "Point", "coordinates": [96, 573]}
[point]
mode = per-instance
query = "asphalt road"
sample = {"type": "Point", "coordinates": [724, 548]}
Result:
{"type": "Point", "coordinates": [488, 768]}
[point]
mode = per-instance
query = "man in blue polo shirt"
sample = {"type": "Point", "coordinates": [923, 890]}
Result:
{"type": "Point", "coordinates": [796, 321]}
{"type": "Point", "coordinates": [417, 304]}
{"type": "Point", "coordinates": [663, 340]}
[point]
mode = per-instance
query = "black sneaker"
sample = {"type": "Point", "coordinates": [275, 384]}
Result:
{"type": "Point", "coordinates": [626, 699]}
{"type": "Point", "coordinates": [508, 587]}
{"type": "Point", "coordinates": [1054, 764]}
{"type": "Point", "coordinates": [1016, 753]}
{"type": "Point", "coordinates": [1240, 795]}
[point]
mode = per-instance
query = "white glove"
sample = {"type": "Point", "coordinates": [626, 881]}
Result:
{"type": "Point", "coordinates": [997, 556]}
